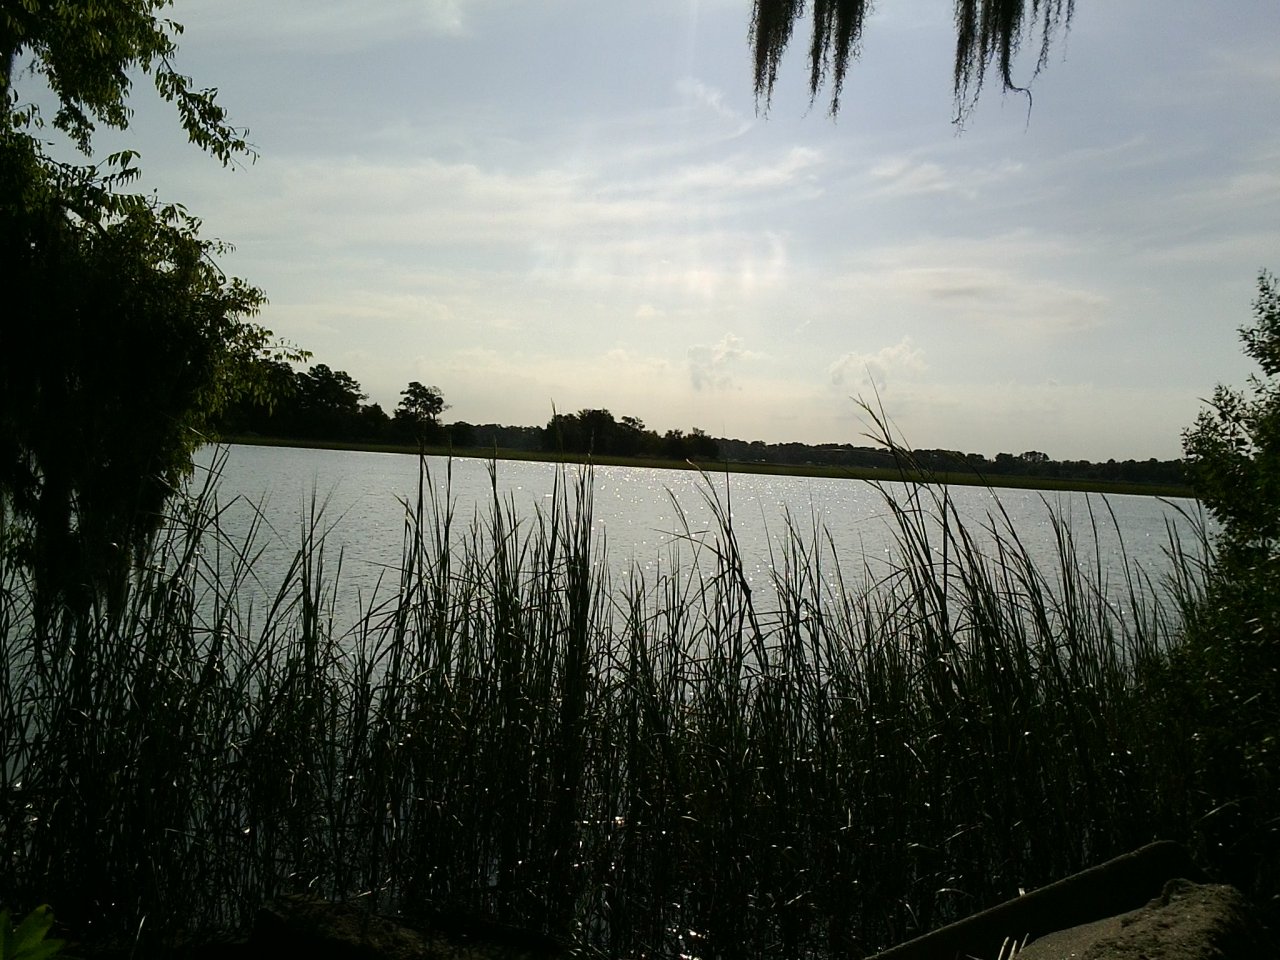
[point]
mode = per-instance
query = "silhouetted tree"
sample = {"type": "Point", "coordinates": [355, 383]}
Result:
{"type": "Point", "coordinates": [272, 412]}
{"type": "Point", "coordinates": [1007, 463]}
{"type": "Point", "coordinates": [630, 437]}
{"type": "Point", "coordinates": [328, 403]}
{"type": "Point", "coordinates": [700, 446]}
{"type": "Point", "coordinates": [124, 342]}
{"type": "Point", "coordinates": [1233, 449]}
{"type": "Point", "coordinates": [373, 423]}
{"type": "Point", "coordinates": [418, 414]}
{"type": "Point", "coordinates": [587, 431]}
{"type": "Point", "coordinates": [674, 446]}
{"type": "Point", "coordinates": [88, 52]}
{"type": "Point", "coordinates": [462, 434]}
{"type": "Point", "coordinates": [599, 430]}
{"type": "Point", "coordinates": [1225, 676]}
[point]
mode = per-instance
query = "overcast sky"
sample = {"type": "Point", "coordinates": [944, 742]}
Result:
{"type": "Point", "coordinates": [575, 203]}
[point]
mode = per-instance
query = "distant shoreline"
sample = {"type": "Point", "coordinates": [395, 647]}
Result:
{"type": "Point", "coordinates": [958, 478]}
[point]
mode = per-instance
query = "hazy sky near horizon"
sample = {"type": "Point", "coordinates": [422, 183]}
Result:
{"type": "Point", "coordinates": [576, 204]}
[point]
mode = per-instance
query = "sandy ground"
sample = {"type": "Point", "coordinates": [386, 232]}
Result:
{"type": "Point", "coordinates": [1187, 922]}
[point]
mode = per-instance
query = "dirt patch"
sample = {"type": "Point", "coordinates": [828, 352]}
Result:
{"type": "Point", "coordinates": [1188, 921]}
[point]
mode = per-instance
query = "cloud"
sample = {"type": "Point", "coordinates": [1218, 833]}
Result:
{"type": "Point", "coordinates": [709, 365]}
{"type": "Point", "coordinates": [1007, 283]}
{"type": "Point", "coordinates": [900, 177]}
{"type": "Point", "coordinates": [698, 94]}
{"type": "Point", "coordinates": [742, 174]}
{"type": "Point", "coordinates": [1000, 298]}
{"type": "Point", "coordinates": [873, 369]}
{"type": "Point", "coordinates": [1233, 69]}
{"type": "Point", "coordinates": [309, 25]}
{"type": "Point", "coordinates": [896, 177]}
{"type": "Point", "coordinates": [578, 227]}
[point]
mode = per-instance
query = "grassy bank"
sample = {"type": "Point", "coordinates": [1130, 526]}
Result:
{"type": "Point", "coordinates": [961, 478]}
{"type": "Point", "coordinates": [652, 767]}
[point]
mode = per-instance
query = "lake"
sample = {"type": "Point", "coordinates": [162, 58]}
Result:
{"type": "Point", "coordinates": [647, 521]}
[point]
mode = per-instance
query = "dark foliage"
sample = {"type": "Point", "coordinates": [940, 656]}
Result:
{"type": "Point", "coordinates": [123, 340]}
{"type": "Point", "coordinates": [597, 432]}
{"type": "Point", "coordinates": [1223, 682]}
{"type": "Point", "coordinates": [989, 34]}
{"type": "Point", "coordinates": [126, 344]}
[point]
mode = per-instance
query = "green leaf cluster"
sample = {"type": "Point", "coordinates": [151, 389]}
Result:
{"type": "Point", "coordinates": [86, 49]}
{"type": "Point", "coordinates": [28, 940]}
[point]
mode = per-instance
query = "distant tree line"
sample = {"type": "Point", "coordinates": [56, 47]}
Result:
{"type": "Point", "coordinates": [1032, 463]}
{"type": "Point", "coordinates": [329, 405]}
{"type": "Point", "coordinates": [326, 404]}
{"type": "Point", "coordinates": [596, 431]}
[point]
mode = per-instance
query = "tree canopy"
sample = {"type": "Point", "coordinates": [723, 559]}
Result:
{"type": "Point", "coordinates": [597, 432]}
{"type": "Point", "coordinates": [419, 410]}
{"type": "Point", "coordinates": [85, 51]}
{"type": "Point", "coordinates": [989, 33]}
{"type": "Point", "coordinates": [1224, 677]}
{"type": "Point", "coordinates": [127, 340]}
{"type": "Point", "coordinates": [1233, 449]}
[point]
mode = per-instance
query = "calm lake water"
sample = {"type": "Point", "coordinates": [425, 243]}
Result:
{"type": "Point", "coordinates": [648, 520]}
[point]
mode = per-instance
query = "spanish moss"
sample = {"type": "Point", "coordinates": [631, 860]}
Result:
{"type": "Point", "coordinates": [989, 33]}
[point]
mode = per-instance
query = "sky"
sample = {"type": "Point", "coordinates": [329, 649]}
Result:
{"type": "Point", "coordinates": [562, 204]}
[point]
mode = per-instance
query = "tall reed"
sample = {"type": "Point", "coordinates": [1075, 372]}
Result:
{"type": "Point", "coordinates": [656, 767]}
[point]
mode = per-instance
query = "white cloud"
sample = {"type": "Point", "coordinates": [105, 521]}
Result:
{"type": "Point", "coordinates": [1233, 68]}
{"type": "Point", "coordinates": [873, 369]}
{"type": "Point", "coordinates": [321, 24]}
{"type": "Point", "coordinates": [574, 225]}
{"type": "Point", "coordinates": [700, 94]}
{"type": "Point", "coordinates": [709, 366]}
{"type": "Point", "coordinates": [1003, 284]}
{"type": "Point", "coordinates": [1011, 303]}
{"type": "Point", "coordinates": [900, 176]}
{"type": "Point", "coordinates": [743, 174]}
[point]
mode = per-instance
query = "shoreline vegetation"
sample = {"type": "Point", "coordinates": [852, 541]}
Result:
{"type": "Point", "coordinates": [656, 766]}
{"type": "Point", "coordinates": [907, 472]}
{"type": "Point", "coordinates": [653, 768]}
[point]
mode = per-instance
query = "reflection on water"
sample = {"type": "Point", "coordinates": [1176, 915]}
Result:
{"type": "Point", "coordinates": [647, 520]}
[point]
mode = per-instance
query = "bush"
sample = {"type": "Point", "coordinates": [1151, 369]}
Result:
{"type": "Point", "coordinates": [1221, 686]}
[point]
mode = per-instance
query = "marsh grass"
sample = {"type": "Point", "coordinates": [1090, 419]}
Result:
{"type": "Point", "coordinates": [653, 767]}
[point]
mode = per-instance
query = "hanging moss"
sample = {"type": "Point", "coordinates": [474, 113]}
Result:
{"type": "Point", "coordinates": [988, 33]}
